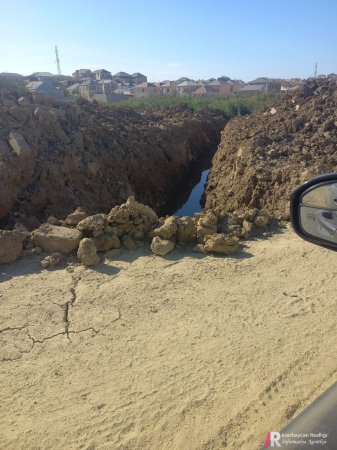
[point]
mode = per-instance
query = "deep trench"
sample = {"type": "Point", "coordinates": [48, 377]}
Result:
{"type": "Point", "coordinates": [189, 198]}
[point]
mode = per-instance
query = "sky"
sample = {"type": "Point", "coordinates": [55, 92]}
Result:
{"type": "Point", "coordinates": [169, 39]}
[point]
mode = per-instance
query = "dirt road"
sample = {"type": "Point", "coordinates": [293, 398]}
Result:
{"type": "Point", "coordinates": [187, 352]}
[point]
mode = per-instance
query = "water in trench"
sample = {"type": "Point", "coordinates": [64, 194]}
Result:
{"type": "Point", "coordinates": [190, 198]}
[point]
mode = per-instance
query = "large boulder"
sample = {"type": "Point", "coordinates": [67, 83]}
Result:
{"type": "Point", "coordinates": [74, 218]}
{"type": "Point", "coordinates": [20, 146]}
{"type": "Point", "coordinates": [132, 218]}
{"type": "Point", "coordinates": [207, 224]}
{"type": "Point", "coordinates": [10, 245]}
{"type": "Point", "coordinates": [186, 230]}
{"type": "Point", "coordinates": [144, 210]}
{"type": "Point", "coordinates": [93, 224]}
{"type": "Point", "coordinates": [161, 247]}
{"type": "Point", "coordinates": [168, 229]}
{"type": "Point", "coordinates": [220, 243]}
{"type": "Point", "coordinates": [55, 239]}
{"type": "Point", "coordinates": [87, 252]}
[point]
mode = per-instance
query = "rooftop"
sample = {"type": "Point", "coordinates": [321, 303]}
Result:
{"type": "Point", "coordinates": [42, 74]}
{"type": "Point", "coordinates": [122, 74]}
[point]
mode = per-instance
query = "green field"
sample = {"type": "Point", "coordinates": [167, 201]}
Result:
{"type": "Point", "coordinates": [232, 105]}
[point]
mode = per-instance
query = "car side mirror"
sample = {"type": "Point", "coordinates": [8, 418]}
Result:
{"type": "Point", "coordinates": [313, 211]}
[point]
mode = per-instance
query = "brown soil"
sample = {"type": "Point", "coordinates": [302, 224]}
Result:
{"type": "Point", "coordinates": [263, 157]}
{"type": "Point", "coordinates": [57, 156]}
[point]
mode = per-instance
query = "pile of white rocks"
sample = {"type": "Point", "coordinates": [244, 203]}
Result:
{"type": "Point", "coordinates": [125, 226]}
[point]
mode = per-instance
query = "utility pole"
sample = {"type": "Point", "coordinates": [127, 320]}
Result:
{"type": "Point", "coordinates": [315, 70]}
{"type": "Point", "coordinates": [57, 61]}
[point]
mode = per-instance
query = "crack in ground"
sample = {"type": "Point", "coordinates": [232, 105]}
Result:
{"type": "Point", "coordinates": [47, 338]}
{"type": "Point", "coordinates": [66, 306]}
{"type": "Point", "coordinates": [13, 328]}
{"type": "Point", "coordinates": [65, 319]}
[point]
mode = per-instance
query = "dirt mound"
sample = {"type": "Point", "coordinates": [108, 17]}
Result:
{"type": "Point", "coordinates": [263, 157]}
{"type": "Point", "coordinates": [56, 156]}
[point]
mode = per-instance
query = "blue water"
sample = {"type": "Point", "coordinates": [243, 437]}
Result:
{"type": "Point", "coordinates": [193, 203]}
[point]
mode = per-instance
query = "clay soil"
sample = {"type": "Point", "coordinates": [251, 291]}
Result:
{"type": "Point", "coordinates": [186, 352]}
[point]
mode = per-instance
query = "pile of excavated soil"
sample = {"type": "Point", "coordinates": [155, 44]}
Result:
{"type": "Point", "coordinates": [263, 157]}
{"type": "Point", "coordinates": [57, 156]}
{"type": "Point", "coordinates": [188, 352]}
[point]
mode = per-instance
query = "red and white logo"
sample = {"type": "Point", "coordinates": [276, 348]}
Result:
{"type": "Point", "coordinates": [272, 439]}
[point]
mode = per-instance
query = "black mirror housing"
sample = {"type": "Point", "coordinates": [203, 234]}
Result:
{"type": "Point", "coordinates": [313, 211]}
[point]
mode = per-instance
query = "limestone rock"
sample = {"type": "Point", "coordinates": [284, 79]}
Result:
{"type": "Point", "coordinates": [106, 242]}
{"type": "Point", "coordinates": [87, 252]}
{"type": "Point", "coordinates": [186, 231]}
{"type": "Point", "coordinates": [220, 243]}
{"type": "Point", "coordinates": [161, 247]}
{"type": "Point", "coordinates": [74, 218]}
{"type": "Point", "coordinates": [55, 239]}
{"type": "Point", "coordinates": [168, 229]}
{"type": "Point", "coordinates": [20, 146]}
{"type": "Point", "coordinates": [52, 260]}
{"type": "Point", "coordinates": [90, 224]}
{"type": "Point", "coordinates": [53, 220]}
{"type": "Point", "coordinates": [246, 228]}
{"type": "Point", "coordinates": [132, 218]}
{"type": "Point", "coordinates": [129, 243]}
{"type": "Point", "coordinates": [207, 224]}
{"type": "Point", "coordinates": [261, 220]}
{"type": "Point", "coordinates": [235, 230]}
{"type": "Point", "coordinates": [141, 209]}
{"type": "Point", "coordinates": [10, 245]}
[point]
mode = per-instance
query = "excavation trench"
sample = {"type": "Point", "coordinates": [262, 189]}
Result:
{"type": "Point", "coordinates": [189, 198]}
{"type": "Point", "coordinates": [64, 156]}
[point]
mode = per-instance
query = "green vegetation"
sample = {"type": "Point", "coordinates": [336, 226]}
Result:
{"type": "Point", "coordinates": [233, 105]}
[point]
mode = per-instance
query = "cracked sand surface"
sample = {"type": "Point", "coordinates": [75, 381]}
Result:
{"type": "Point", "coordinates": [187, 352]}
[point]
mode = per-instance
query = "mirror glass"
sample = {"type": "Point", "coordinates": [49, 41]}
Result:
{"type": "Point", "coordinates": [318, 212]}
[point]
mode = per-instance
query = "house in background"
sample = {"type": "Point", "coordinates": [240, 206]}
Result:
{"type": "Point", "coordinates": [270, 84]}
{"type": "Point", "coordinates": [204, 91]}
{"type": "Point", "coordinates": [101, 74]}
{"type": "Point", "coordinates": [122, 77]}
{"type": "Point", "coordinates": [8, 76]}
{"type": "Point", "coordinates": [182, 79]}
{"type": "Point", "coordinates": [101, 91]}
{"type": "Point", "coordinates": [124, 88]}
{"type": "Point", "coordinates": [74, 89]}
{"type": "Point", "coordinates": [42, 76]}
{"type": "Point", "coordinates": [168, 88]}
{"type": "Point", "coordinates": [87, 89]}
{"type": "Point", "coordinates": [138, 78]}
{"type": "Point", "coordinates": [81, 74]}
{"type": "Point", "coordinates": [145, 90]}
{"type": "Point", "coordinates": [252, 89]}
{"type": "Point", "coordinates": [187, 87]}
{"type": "Point", "coordinates": [46, 88]}
{"type": "Point", "coordinates": [106, 86]}
{"type": "Point", "coordinates": [11, 80]}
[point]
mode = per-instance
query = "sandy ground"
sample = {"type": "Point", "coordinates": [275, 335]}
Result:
{"type": "Point", "coordinates": [187, 352]}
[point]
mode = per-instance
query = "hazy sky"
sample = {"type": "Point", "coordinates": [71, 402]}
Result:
{"type": "Point", "coordinates": [168, 39]}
